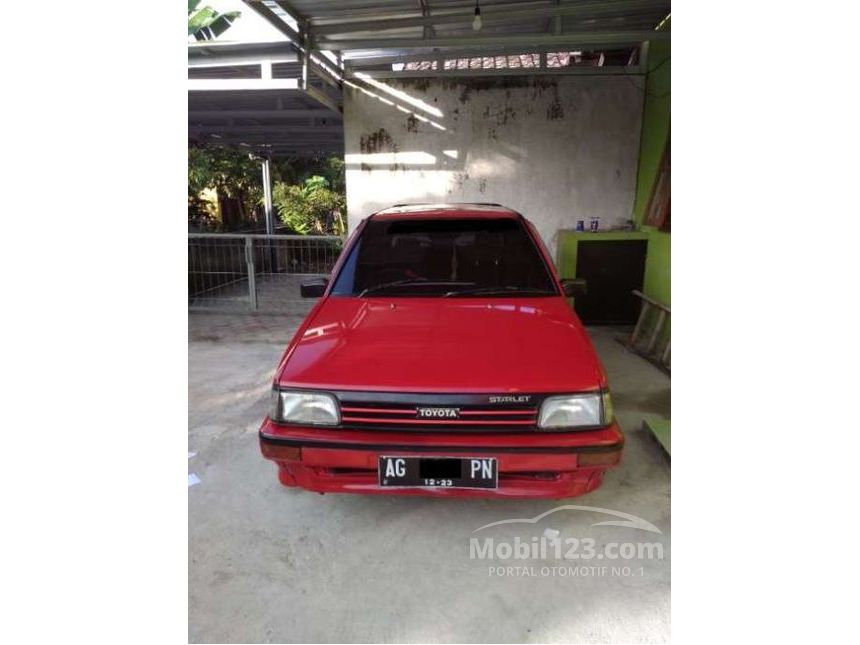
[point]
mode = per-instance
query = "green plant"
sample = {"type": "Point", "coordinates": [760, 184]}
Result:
{"type": "Point", "coordinates": [229, 171]}
{"type": "Point", "coordinates": [225, 191]}
{"type": "Point", "coordinates": [233, 183]}
{"type": "Point", "coordinates": [206, 23]}
{"type": "Point", "coordinates": [311, 207]}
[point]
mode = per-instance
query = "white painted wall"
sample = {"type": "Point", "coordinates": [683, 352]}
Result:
{"type": "Point", "coordinates": [555, 148]}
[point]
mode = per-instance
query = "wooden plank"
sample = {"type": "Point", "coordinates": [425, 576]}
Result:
{"type": "Point", "coordinates": [658, 328]}
{"type": "Point", "coordinates": [646, 307]}
{"type": "Point", "coordinates": [659, 305]}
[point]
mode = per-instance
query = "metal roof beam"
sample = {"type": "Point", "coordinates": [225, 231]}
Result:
{"type": "Point", "coordinates": [323, 99]}
{"type": "Point", "coordinates": [429, 32]}
{"type": "Point", "coordinates": [325, 145]}
{"type": "Point", "coordinates": [275, 20]}
{"type": "Point", "coordinates": [285, 152]}
{"type": "Point", "coordinates": [577, 39]}
{"type": "Point", "coordinates": [583, 70]}
{"type": "Point", "coordinates": [288, 9]}
{"type": "Point", "coordinates": [241, 60]}
{"type": "Point", "coordinates": [286, 137]}
{"type": "Point", "coordinates": [301, 41]}
{"type": "Point", "coordinates": [277, 139]}
{"type": "Point", "coordinates": [327, 13]}
{"type": "Point", "coordinates": [490, 14]}
{"type": "Point", "coordinates": [260, 114]}
{"type": "Point", "coordinates": [292, 145]}
{"type": "Point", "coordinates": [450, 54]}
{"type": "Point", "coordinates": [322, 73]}
{"type": "Point", "coordinates": [309, 131]}
{"type": "Point", "coordinates": [244, 84]}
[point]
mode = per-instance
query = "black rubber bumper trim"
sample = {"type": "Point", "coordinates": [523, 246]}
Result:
{"type": "Point", "coordinates": [342, 445]}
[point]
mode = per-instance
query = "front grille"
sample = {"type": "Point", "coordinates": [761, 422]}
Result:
{"type": "Point", "coordinates": [447, 413]}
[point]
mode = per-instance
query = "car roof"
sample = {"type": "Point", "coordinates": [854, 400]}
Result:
{"type": "Point", "coordinates": [446, 211]}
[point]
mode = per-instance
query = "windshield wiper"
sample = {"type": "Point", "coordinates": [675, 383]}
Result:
{"type": "Point", "coordinates": [488, 291]}
{"type": "Point", "coordinates": [398, 283]}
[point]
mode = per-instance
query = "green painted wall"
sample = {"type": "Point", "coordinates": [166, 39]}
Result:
{"type": "Point", "coordinates": [658, 262]}
{"type": "Point", "coordinates": [656, 121]}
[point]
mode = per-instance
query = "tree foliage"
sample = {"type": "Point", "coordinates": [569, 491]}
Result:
{"type": "Point", "coordinates": [311, 207]}
{"type": "Point", "coordinates": [225, 169]}
{"type": "Point", "coordinates": [228, 174]}
{"type": "Point", "coordinates": [206, 23]}
{"type": "Point", "coordinates": [308, 192]}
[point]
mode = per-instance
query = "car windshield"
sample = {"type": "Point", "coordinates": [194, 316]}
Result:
{"type": "Point", "coordinates": [444, 258]}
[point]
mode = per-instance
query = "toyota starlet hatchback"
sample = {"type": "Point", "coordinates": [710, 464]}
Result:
{"type": "Point", "coordinates": [442, 358]}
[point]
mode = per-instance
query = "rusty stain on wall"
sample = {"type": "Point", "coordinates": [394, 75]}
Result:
{"type": "Point", "coordinates": [420, 84]}
{"type": "Point", "coordinates": [378, 141]}
{"type": "Point", "coordinates": [555, 111]}
{"type": "Point", "coordinates": [467, 86]}
{"type": "Point", "coordinates": [459, 180]}
{"type": "Point", "coordinates": [505, 139]}
{"type": "Point", "coordinates": [500, 115]}
{"type": "Point", "coordinates": [375, 142]}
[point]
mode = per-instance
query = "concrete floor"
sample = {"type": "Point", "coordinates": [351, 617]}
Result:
{"type": "Point", "coordinates": [276, 293]}
{"type": "Point", "coordinates": [271, 564]}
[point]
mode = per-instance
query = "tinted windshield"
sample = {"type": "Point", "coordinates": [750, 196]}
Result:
{"type": "Point", "coordinates": [450, 258]}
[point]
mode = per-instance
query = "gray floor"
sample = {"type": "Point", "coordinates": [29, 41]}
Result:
{"type": "Point", "coordinates": [271, 564]}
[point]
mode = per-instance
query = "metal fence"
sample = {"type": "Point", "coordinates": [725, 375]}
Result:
{"type": "Point", "coordinates": [228, 272]}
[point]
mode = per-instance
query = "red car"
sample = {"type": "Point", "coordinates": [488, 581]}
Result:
{"type": "Point", "coordinates": [442, 359]}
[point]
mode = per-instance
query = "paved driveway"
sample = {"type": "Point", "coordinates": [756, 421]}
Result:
{"type": "Point", "coordinates": [271, 564]}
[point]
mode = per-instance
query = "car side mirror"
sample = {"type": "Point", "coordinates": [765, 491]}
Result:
{"type": "Point", "coordinates": [314, 288]}
{"type": "Point", "coordinates": [574, 287]}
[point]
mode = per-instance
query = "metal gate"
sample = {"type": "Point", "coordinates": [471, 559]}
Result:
{"type": "Point", "coordinates": [241, 273]}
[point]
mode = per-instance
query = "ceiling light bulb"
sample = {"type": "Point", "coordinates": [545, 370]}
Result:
{"type": "Point", "coordinates": [477, 23]}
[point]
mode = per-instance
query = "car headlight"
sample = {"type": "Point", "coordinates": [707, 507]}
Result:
{"type": "Point", "coordinates": [305, 407]}
{"type": "Point", "coordinates": [576, 410]}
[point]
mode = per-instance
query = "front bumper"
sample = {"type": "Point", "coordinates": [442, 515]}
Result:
{"type": "Point", "coordinates": [533, 465]}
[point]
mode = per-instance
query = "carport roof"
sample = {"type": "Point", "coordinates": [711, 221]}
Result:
{"type": "Point", "coordinates": [284, 98]}
{"type": "Point", "coordinates": [254, 96]}
{"type": "Point", "coordinates": [365, 29]}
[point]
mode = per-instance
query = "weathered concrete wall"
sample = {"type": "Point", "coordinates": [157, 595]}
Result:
{"type": "Point", "coordinates": [556, 148]}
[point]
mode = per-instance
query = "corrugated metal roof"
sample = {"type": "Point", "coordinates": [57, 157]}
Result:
{"type": "Point", "coordinates": [264, 103]}
{"type": "Point", "coordinates": [368, 24]}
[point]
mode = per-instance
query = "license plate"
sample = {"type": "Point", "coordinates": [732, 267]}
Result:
{"type": "Point", "coordinates": [439, 472]}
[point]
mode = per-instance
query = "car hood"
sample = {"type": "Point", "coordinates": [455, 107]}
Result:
{"type": "Point", "coordinates": [442, 345]}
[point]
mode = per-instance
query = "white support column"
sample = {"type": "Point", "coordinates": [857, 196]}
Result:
{"type": "Point", "coordinates": [267, 198]}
